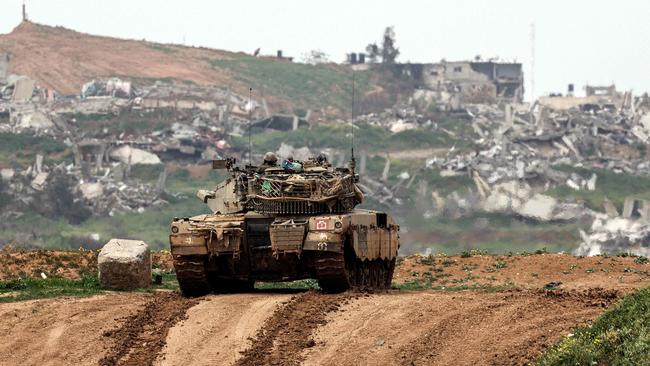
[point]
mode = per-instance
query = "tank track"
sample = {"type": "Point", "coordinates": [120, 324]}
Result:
{"type": "Point", "coordinates": [191, 275]}
{"type": "Point", "coordinates": [338, 272]}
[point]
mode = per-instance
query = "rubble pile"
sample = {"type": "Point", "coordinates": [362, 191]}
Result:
{"type": "Point", "coordinates": [108, 197]}
{"type": "Point", "coordinates": [518, 151]}
{"type": "Point", "coordinates": [529, 145]}
{"type": "Point", "coordinates": [518, 145]}
{"type": "Point", "coordinates": [113, 87]}
{"type": "Point", "coordinates": [206, 117]}
{"type": "Point", "coordinates": [401, 117]}
{"type": "Point", "coordinates": [105, 193]}
{"type": "Point", "coordinates": [614, 236]}
{"type": "Point", "coordinates": [31, 108]}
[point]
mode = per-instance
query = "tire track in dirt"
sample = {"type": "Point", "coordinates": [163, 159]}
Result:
{"type": "Point", "coordinates": [142, 336]}
{"type": "Point", "coordinates": [288, 331]}
{"type": "Point", "coordinates": [62, 331]}
{"type": "Point", "coordinates": [446, 334]}
{"type": "Point", "coordinates": [218, 329]}
{"type": "Point", "coordinates": [452, 328]}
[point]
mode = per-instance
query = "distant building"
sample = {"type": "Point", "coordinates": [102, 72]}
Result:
{"type": "Point", "coordinates": [596, 97]}
{"type": "Point", "coordinates": [469, 81]}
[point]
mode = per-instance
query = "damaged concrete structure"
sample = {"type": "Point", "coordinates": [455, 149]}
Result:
{"type": "Point", "coordinates": [461, 82]}
{"type": "Point", "coordinates": [596, 98]}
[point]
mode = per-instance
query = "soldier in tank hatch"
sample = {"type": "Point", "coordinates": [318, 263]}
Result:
{"type": "Point", "coordinates": [270, 161]}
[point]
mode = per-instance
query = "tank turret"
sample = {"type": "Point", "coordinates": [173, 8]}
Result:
{"type": "Point", "coordinates": [317, 188]}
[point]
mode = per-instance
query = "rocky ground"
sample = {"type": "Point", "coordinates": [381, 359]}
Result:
{"type": "Point", "coordinates": [471, 309]}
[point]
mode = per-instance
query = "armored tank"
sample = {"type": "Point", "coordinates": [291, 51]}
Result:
{"type": "Point", "coordinates": [282, 224]}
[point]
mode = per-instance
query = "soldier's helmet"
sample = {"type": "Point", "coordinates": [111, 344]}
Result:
{"type": "Point", "coordinates": [270, 158]}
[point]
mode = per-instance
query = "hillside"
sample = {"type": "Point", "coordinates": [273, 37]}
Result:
{"type": "Point", "coordinates": [63, 60]}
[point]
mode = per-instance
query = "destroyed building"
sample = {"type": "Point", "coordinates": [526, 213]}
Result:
{"type": "Point", "coordinates": [511, 153]}
{"type": "Point", "coordinates": [461, 82]}
{"type": "Point", "coordinates": [595, 98]}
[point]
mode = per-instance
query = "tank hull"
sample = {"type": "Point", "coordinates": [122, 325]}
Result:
{"type": "Point", "coordinates": [230, 252]}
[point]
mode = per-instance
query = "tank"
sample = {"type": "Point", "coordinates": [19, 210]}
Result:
{"type": "Point", "coordinates": [276, 225]}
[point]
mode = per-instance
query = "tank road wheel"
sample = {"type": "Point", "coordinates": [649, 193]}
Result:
{"type": "Point", "coordinates": [191, 275]}
{"type": "Point", "coordinates": [390, 269]}
{"type": "Point", "coordinates": [331, 272]}
{"type": "Point", "coordinates": [376, 274]}
{"type": "Point", "coordinates": [337, 272]}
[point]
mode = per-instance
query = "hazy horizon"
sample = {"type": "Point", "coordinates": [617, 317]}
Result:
{"type": "Point", "coordinates": [595, 43]}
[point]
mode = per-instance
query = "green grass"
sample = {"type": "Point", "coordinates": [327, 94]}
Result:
{"type": "Point", "coordinates": [446, 185]}
{"type": "Point", "coordinates": [13, 142]}
{"type": "Point", "coordinates": [425, 284]}
{"type": "Point", "coordinates": [19, 150]}
{"type": "Point", "coordinates": [373, 139]}
{"type": "Point", "coordinates": [502, 234]}
{"type": "Point", "coordinates": [169, 282]}
{"type": "Point", "coordinates": [620, 336]}
{"type": "Point", "coordinates": [292, 285]}
{"type": "Point", "coordinates": [307, 86]}
{"type": "Point", "coordinates": [22, 289]}
{"type": "Point", "coordinates": [32, 288]}
{"type": "Point", "coordinates": [615, 186]}
{"type": "Point", "coordinates": [144, 172]}
{"type": "Point", "coordinates": [128, 121]}
{"type": "Point", "coordinates": [152, 226]}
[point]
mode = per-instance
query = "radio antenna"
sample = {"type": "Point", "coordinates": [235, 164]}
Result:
{"type": "Point", "coordinates": [250, 124]}
{"type": "Point", "coordinates": [352, 160]}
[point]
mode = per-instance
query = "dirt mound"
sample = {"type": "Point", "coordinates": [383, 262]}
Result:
{"type": "Point", "coordinates": [18, 263]}
{"type": "Point", "coordinates": [70, 264]}
{"type": "Point", "coordinates": [225, 324]}
{"type": "Point", "coordinates": [63, 331]}
{"type": "Point", "coordinates": [458, 328]}
{"type": "Point", "coordinates": [64, 60]}
{"type": "Point", "coordinates": [524, 271]}
{"type": "Point", "coordinates": [284, 335]}
{"type": "Point", "coordinates": [142, 335]}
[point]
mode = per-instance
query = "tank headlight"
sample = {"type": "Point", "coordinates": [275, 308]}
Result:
{"type": "Point", "coordinates": [174, 229]}
{"type": "Point", "coordinates": [338, 225]}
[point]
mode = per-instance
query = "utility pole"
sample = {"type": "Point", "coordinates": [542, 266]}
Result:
{"type": "Point", "coordinates": [532, 62]}
{"type": "Point", "coordinates": [24, 12]}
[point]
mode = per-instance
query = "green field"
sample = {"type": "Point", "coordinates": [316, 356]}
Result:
{"type": "Point", "coordinates": [306, 86]}
{"type": "Point", "coordinates": [620, 336]}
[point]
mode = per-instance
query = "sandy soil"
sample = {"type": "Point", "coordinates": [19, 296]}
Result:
{"type": "Point", "coordinates": [75, 58]}
{"type": "Point", "coordinates": [31, 263]}
{"type": "Point", "coordinates": [528, 272]}
{"type": "Point", "coordinates": [445, 328]}
{"type": "Point", "coordinates": [485, 324]}
{"type": "Point", "coordinates": [64, 331]}
{"type": "Point", "coordinates": [218, 329]}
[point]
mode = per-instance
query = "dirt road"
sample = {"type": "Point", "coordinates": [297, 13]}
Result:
{"type": "Point", "coordinates": [218, 329]}
{"type": "Point", "coordinates": [507, 325]}
{"type": "Point", "coordinates": [62, 331]}
{"type": "Point", "coordinates": [465, 328]}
